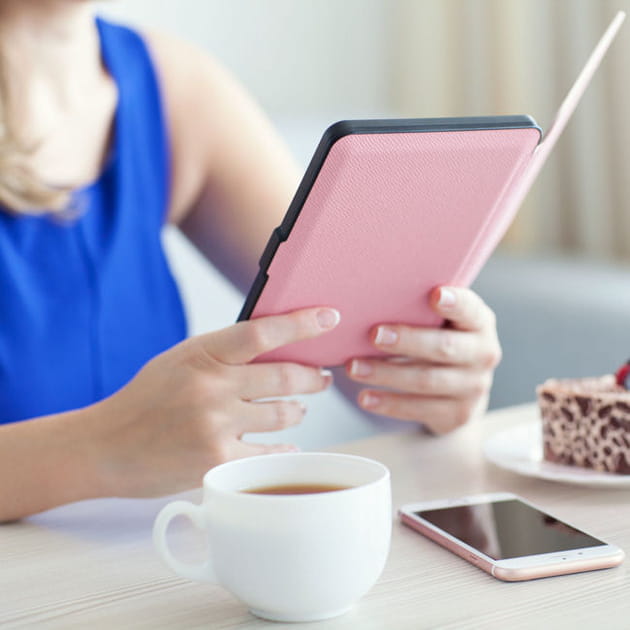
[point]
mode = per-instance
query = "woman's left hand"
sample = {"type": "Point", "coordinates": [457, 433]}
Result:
{"type": "Point", "coordinates": [440, 377]}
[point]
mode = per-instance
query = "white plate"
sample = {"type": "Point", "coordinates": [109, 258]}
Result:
{"type": "Point", "coordinates": [519, 449]}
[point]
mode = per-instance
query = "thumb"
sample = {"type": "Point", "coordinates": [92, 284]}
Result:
{"type": "Point", "coordinates": [244, 341]}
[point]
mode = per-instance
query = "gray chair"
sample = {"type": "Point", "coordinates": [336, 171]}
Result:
{"type": "Point", "coordinates": [556, 318]}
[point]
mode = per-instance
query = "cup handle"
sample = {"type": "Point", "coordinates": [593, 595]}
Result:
{"type": "Point", "coordinates": [200, 572]}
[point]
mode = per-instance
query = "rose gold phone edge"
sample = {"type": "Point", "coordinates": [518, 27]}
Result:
{"type": "Point", "coordinates": [488, 565]}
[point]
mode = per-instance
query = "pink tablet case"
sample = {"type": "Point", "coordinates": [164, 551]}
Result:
{"type": "Point", "coordinates": [392, 215]}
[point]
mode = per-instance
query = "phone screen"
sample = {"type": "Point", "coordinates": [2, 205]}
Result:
{"type": "Point", "coordinates": [508, 529]}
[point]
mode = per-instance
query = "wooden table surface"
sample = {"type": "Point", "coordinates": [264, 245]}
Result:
{"type": "Point", "coordinates": [92, 564]}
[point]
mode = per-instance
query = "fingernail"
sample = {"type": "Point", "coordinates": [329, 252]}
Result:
{"type": "Point", "coordinates": [360, 368]}
{"type": "Point", "coordinates": [327, 375]}
{"type": "Point", "coordinates": [302, 407]}
{"type": "Point", "coordinates": [328, 317]}
{"type": "Point", "coordinates": [447, 298]}
{"type": "Point", "coordinates": [370, 399]}
{"type": "Point", "coordinates": [386, 336]}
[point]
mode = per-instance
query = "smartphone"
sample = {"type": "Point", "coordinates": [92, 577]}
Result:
{"type": "Point", "coordinates": [509, 538]}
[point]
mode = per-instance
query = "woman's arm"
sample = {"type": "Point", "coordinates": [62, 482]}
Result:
{"type": "Point", "coordinates": [233, 176]}
{"type": "Point", "coordinates": [49, 461]}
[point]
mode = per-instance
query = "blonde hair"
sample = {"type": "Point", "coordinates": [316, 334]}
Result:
{"type": "Point", "coordinates": [21, 190]}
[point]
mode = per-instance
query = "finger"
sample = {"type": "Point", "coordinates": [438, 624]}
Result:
{"type": "Point", "coordinates": [439, 415]}
{"type": "Point", "coordinates": [415, 378]}
{"type": "Point", "coordinates": [244, 341]}
{"type": "Point", "coordinates": [463, 308]}
{"type": "Point", "coordinates": [273, 415]}
{"type": "Point", "coordinates": [265, 380]}
{"type": "Point", "coordinates": [249, 449]}
{"type": "Point", "coordinates": [442, 346]}
{"type": "Point", "coordinates": [237, 449]}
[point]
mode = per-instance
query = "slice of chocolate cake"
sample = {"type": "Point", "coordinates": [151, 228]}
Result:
{"type": "Point", "coordinates": [586, 422]}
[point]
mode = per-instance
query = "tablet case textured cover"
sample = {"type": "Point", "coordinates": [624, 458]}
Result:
{"type": "Point", "coordinates": [392, 215]}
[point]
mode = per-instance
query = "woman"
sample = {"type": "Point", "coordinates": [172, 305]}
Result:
{"type": "Point", "coordinates": [105, 135]}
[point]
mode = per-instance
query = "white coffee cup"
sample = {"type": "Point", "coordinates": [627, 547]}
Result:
{"type": "Point", "coordinates": [290, 557]}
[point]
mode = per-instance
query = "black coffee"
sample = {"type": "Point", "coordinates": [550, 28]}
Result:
{"type": "Point", "coordinates": [298, 488]}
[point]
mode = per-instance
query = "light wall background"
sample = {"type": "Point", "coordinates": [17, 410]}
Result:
{"type": "Point", "coordinates": [297, 57]}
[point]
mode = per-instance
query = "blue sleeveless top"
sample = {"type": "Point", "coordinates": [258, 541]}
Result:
{"type": "Point", "coordinates": [85, 302]}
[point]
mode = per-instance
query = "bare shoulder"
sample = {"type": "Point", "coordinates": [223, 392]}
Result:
{"type": "Point", "coordinates": [195, 92]}
{"type": "Point", "coordinates": [187, 71]}
{"type": "Point", "coordinates": [228, 159]}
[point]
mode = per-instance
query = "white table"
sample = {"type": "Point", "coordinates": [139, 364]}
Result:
{"type": "Point", "coordinates": [92, 565]}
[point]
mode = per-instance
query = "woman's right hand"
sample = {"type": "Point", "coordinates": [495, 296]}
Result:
{"type": "Point", "coordinates": [188, 408]}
